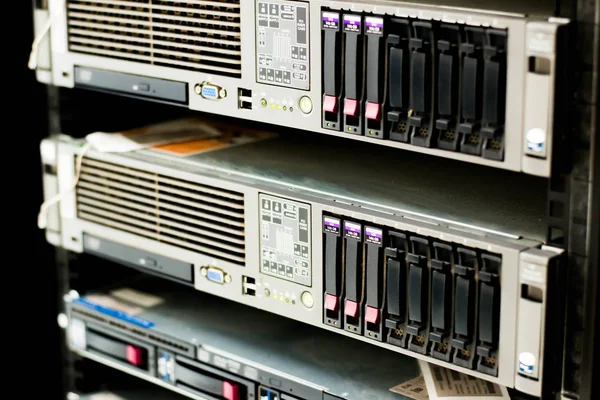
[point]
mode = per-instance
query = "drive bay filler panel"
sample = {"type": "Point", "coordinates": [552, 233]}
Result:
{"type": "Point", "coordinates": [395, 263]}
{"type": "Point", "coordinates": [475, 84]}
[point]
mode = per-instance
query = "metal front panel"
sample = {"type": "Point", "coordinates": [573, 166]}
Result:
{"type": "Point", "coordinates": [273, 102]}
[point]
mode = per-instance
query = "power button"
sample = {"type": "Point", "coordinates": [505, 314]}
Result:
{"type": "Point", "coordinates": [307, 299]}
{"type": "Point", "coordinates": [306, 104]}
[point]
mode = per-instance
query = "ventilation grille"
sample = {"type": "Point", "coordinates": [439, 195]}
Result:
{"type": "Point", "coordinates": [185, 214]}
{"type": "Point", "coordinates": [200, 35]}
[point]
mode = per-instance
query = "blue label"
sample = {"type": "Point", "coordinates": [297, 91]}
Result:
{"type": "Point", "coordinates": [526, 368]}
{"type": "Point", "coordinates": [115, 314]}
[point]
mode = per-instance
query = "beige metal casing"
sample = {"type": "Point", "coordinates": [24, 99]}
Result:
{"type": "Point", "coordinates": [528, 104]}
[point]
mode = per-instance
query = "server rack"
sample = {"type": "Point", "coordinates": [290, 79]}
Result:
{"type": "Point", "coordinates": [573, 207]}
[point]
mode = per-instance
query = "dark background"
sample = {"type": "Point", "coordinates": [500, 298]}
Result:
{"type": "Point", "coordinates": [28, 278]}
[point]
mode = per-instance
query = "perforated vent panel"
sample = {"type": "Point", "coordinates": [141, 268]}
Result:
{"type": "Point", "coordinates": [202, 35]}
{"type": "Point", "coordinates": [205, 219]}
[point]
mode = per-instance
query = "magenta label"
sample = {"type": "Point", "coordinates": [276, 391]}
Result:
{"type": "Point", "coordinates": [352, 23]}
{"type": "Point", "coordinates": [352, 230]}
{"type": "Point", "coordinates": [373, 235]}
{"type": "Point", "coordinates": [331, 225]}
{"type": "Point", "coordinates": [374, 25]}
{"type": "Point", "coordinates": [331, 20]}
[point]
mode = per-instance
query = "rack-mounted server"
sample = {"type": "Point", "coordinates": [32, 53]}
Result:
{"type": "Point", "coordinates": [202, 348]}
{"type": "Point", "coordinates": [477, 84]}
{"type": "Point", "coordinates": [455, 283]}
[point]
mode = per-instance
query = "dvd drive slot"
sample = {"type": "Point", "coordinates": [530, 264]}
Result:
{"type": "Point", "coordinates": [139, 86]}
{"type": "Point", "coordinates": [148, 262]}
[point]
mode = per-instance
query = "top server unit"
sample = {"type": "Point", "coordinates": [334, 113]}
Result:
{"type": "Point", "coordinates": [468, 84]}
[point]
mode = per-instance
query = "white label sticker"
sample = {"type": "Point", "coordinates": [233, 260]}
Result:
{"type": "Point", "coordinates": [414, 388]}
{"type": "Point", "coordinates": [447, 384]}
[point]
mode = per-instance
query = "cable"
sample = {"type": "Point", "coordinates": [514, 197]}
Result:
{"type": "Point", "coordinates": [33, 56]}
{"type": "Point", "coordinates": [117, 143]}
{"type": "Point", "coordinates": [43, 214]}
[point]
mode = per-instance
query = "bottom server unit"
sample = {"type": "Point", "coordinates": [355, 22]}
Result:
{"type": "Point", "coordinates": [377, 254]}
{"type": "Point", "coordinates": [207, 349]}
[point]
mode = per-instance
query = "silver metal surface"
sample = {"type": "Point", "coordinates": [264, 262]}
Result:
{"type": "Point", "coordinates": [443, 191]}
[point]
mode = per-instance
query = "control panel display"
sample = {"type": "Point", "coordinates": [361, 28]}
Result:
{"type": "Point", "coordinates": [285, 239]}
{"type": "Point", "coordinates": [282, 43]}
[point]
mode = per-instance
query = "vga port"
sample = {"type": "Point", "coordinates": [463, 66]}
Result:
{"type": "Point", "coordinates": [210, 91]}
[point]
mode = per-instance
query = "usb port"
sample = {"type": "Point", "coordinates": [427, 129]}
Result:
{"type": "Point", "coordinates": [244, 92]}
{"type": "Point", "coordinates": [244, 99]}
{"type": "Point", "coordinates": [248, 286]}
{"type": "Point", "coordinates": [245, 105]}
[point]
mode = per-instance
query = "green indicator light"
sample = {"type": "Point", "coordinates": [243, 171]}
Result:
{"type": "Point", "coordinates": [263, 102]}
